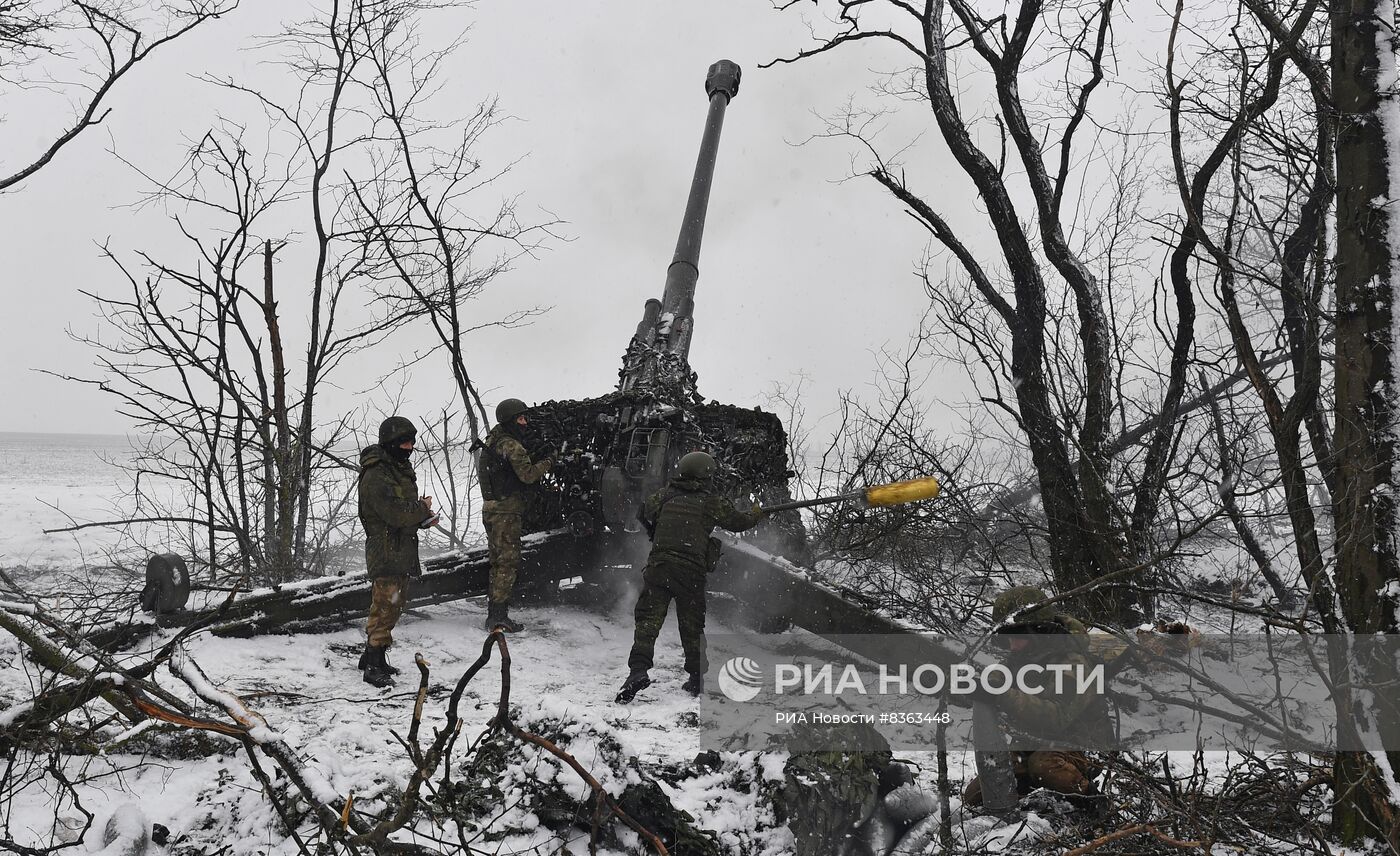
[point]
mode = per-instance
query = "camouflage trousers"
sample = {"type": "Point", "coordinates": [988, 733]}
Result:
{"type": "Point", "coordinates": [389, 596]}
{"type": "Point", "coordinates": [1057, 770]}
{"type": "Point", "coordinates": [662, 584]}
{"type": "Point", "coordinates": [503, 545]}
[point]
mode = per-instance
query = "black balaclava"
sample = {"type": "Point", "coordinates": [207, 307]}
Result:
{"type": "Point", "coordinates": [398, 453]}
{"type": "Point", "coordinates": [524, 433]}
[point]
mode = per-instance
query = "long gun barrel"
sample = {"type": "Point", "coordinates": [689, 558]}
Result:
{"type": "Point", "coordinates": [665, 328]}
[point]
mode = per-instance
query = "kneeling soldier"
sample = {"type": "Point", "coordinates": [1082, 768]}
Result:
{"type": "Point", "coordinates": [1064, 724]}
{"type": "Point", "coordinates": [680, 519]}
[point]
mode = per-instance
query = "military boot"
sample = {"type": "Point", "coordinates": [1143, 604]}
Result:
{"type": "Point", "coordinates": [695, 684]}
{"type": "Point", "coordinates": [507, 623]}
{"type": "Point", "coordinates": [372, 654]}
{"type": "Point", "coordinates": [376, 670]}
{"type": "Point", "coordinates": [498, 615]}
{"type": "Point", "coordinates": [635, 683]}
{"type": "Point", "coordinates": [1093, 806]}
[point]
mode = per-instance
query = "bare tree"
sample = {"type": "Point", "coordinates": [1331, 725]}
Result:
{"type": "Point", "coordinates": [206, 355]}
{"type": "Point", "coordinates": [118, 36]}
{"type": "Point", "coordinates": [200, 363]}
{"type": "Point", "coordinates": [1296, 155]}
{"type": "Point", "coordinates": [1266, 142]}
{"type": "Point", "coordinates": [24, 33]}
{"type": "Point", "coordinates": [1062, 375]}
{"type": "Point", "coordinates": [1367, 105]}
{"type": "Point", "coordinates": [435, 245]}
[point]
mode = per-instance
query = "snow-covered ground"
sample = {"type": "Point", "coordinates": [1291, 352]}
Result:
{"type": "Point", "coordinates": [51, 481]}
{"type": "Point", "coordinates": [308, 689]}
{"type": "Point", "coordinates": [566, 667]}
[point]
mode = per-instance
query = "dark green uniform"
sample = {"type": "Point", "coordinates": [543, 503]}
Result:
{"type": "Point", "coordinates": [390, 511]}
{"type": "Point", "coordinates": [1065, 723]}
{"type": "Point", "coordinates": [507, 471]}
{"type": "Point", "coordinates": [681, 518]}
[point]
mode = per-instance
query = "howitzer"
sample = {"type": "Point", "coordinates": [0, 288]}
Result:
{"type": "Point", "coordinates": [622, 447]}
{"type": "Point", "coordinates": [660, 351]}
{"type": "Point", "coordinates": [614, 451]}
{"type": "Point", "coordinates": [617, 449]}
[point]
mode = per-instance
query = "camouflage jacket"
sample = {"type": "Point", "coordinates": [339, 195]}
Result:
{"type": "Point", "coordinates": [507, 471]}
{"type": "Point", "coordinates": [1068, 719]}
{"type": "Point", "coordinates": [390, 511]}
{"type": "Point", "coordinates": [681, 518]}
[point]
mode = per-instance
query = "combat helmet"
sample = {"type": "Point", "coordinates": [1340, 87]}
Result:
{"type": "Point", "coordinates": [1017, 598]}
{"type": "Point", "coordinates": [697, 465]}
{"type": "Point", "coordinates": [507, 410]}
{"type": "Point", "coordinates": [395, 430]}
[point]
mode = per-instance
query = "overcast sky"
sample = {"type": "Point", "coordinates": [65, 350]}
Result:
{"type": "Point", "coordinates": [801, 272]}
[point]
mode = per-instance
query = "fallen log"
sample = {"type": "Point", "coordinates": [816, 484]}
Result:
{"type": "Point", "coordinates": [753, 589]}
{"type": "Point", "coordinates": [321, 604]}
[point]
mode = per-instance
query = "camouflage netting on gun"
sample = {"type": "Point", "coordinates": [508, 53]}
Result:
{"type": "Point", "coordinates": [666, 374]}
{"type": "Point", "coordinates": [616, 430]}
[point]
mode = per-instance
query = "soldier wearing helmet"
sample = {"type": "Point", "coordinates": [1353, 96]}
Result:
{"type": "Point", "coordinates": [1055, 727]}
{"type": "Point", "coordinates": [391, 512]}
{"type": "Point", "coordinates": [507, 470]}
{"type": "Point", "coordinates": [680, 519]}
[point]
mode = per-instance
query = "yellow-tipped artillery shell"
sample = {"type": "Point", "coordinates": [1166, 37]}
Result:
{"type": "Point", "coordinates": [897, 493]}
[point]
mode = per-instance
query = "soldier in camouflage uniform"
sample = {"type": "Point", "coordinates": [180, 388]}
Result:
{"type": "Point", "coordinates": [507, 471]}
{"type": "Point", "coordinates": [1065, 723]}
{"type": "Point", "coordinates": [391, 512]}
{"type": "Point", "coordinates": [680, 519]}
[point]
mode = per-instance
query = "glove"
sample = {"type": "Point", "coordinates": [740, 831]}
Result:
{"type": "Point", "coordinates": [430, 522]}
{"type": "Point", "coordinates": [547, 451]}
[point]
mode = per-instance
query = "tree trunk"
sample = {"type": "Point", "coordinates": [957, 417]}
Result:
{"type": "Point", "coordinates": [280, 525]}
{"type": "Point", "coordinates": [1363, 81]}
{"type": "Point", "coordinates": [1070, 533]}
